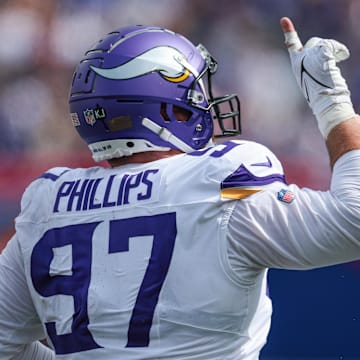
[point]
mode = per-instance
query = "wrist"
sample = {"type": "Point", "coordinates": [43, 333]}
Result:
{"type": "Point", "coordinates": [333, 116]}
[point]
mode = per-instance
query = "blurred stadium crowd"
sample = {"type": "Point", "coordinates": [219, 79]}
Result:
{"type": "Point", "coordinates": [41, 42]}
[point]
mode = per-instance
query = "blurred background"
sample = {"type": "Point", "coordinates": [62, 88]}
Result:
{"type": "Point", "coordinates": [316, 313]}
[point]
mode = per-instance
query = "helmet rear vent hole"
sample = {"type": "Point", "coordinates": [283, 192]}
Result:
{"type": "Point", "coordinates": [87, 76]}
{"type": "Point", "coordinates": [73, 79]}
{"type": "Point", "coordinates": [163, 112]}
{"type": "Point", "coordinates": [130, 144]}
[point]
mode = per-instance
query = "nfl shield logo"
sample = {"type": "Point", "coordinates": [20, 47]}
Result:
{"type": "Point", "coordinates": [89, 116]}
{"type": "Point", "coordinates": [286, 196]}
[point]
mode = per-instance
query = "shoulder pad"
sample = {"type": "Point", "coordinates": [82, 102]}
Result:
{"type": "Point", "coordinates": [256, 168]}
{"type": "Point", "coordinates": [243, 167]}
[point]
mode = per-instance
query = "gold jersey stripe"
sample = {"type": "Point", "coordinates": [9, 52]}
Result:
{"type": "Point", "coordinates": [237, 193]}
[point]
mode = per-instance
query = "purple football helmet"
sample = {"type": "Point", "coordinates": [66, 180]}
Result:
{"type": "Point", "coordinates": [128, 89]}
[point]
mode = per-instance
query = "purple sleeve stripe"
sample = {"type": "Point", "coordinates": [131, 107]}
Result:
{"type": "Point", "coordinates": [243, 177]}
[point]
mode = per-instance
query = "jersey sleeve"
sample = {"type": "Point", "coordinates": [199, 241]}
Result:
{"type": "Point", "coordinates": [20, 327]}
{"type": "Point", "coordinates": [287, 227]}
{"type": "Point", "coordinates": [19, 324]}
{"type": "Point", "coordinates": [253, 168]}
{"type": "Point", "coordinates": [34, 204]}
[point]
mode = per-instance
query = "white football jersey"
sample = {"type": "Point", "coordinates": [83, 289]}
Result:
{"type": "Point", "coordinates": [167, 259]}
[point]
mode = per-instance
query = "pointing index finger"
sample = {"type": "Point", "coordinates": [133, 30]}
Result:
{"type": "Point", "coordinates": [292, 40]}
{"type": "Point", "coordinates": [286, 25]}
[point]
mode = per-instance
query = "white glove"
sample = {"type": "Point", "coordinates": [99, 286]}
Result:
{"type": "Point", "coordinates": [320, 80]}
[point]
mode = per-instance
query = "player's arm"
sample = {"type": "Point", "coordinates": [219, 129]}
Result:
{"type": "Point", "coordinates": [315, 228]}
{"type": "Point", "coordinates": [343, 138]}
{"type": "Point", "coordinates": [19, 325]}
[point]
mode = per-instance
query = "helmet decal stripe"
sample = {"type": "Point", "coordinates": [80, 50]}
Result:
{"type": "Point", "coordinates": [167, 61]}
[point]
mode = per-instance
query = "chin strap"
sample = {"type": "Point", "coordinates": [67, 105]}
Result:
{"type": "Point", "coordinates": [116, 148]}
{"type": "Point", "coordinates": [166, 135]}
{"type": "Point", "coordinates": [110, 149]}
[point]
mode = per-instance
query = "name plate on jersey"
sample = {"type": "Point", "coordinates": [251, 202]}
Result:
{"type": "Point", "coordinates": [115, 190]}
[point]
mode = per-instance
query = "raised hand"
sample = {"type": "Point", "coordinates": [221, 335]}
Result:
{"type": "Point", "coordinates": [316, 72]}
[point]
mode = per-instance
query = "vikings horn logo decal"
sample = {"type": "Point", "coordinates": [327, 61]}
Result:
{"type": "Point", "coordinates": [169, 62]}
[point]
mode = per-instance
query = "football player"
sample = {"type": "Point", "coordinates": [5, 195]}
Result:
{"type": "Point", "coordinates": [164, 254]}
